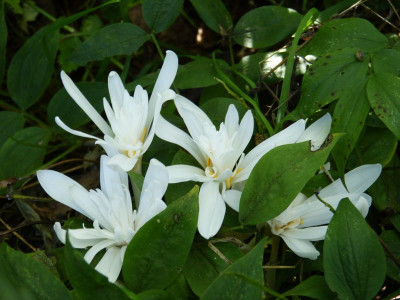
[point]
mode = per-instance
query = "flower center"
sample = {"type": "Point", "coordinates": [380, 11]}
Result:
{"type": "Point", "coordinates": [132, 153]}
{"type": "Point", "coordinates": [211, 171]}
{"type": "Point", "coordinates": [277, 227]}
{"type": "Point", "coordinates": [228, 182]}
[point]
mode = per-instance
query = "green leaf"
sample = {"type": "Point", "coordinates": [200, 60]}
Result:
{"type": "Point", "coordinates": [160, 14]}
{"type": "Point", "coordinates": [66, 47]}
{"type": "Point", "coordinates": [376, 146]}
{"type": "Point", "coordinates": [3, 41]}
{"type": "Point", "coordinates": [158, 251]}
{"type": "Point", "coordinates": [34, 278]}
{"type": "Point", "coordinates": [354, 261]}
{"type": "Point", "coordinates": [203, 265]}
{"type": "Point", "coordinates": [392, 241]}
{"type": "Point", "coordinates": [265, 26]}
{"type": "Point", "coordinates": [278, 177]}
{"type": "Point", "coordinates": [23, 152]}
{"type": "Point", "coordinates": [313, 287]}
{"type": "Point", "coordinates": [32, 66]}
{"type": "Point", "coordinates": [334, 9]}
{"type": "Point", "coordinates": [136, 180]}
{"type": "Point", "coordinates": [10, 123]}
{"type": "Point", "coordinates": [63, 106]}
{"type": "Point", "coordinates": [86, 281]}
{"type": "Point", "coordinates": [396, 221]}
{"type": "Point", "coordinates": [387, 60]}
{"type": "Point", "coordinates": [214, 14]}
{"type": "Point", "coordinates": [196, 74]}
{"type": "Point", "coordinates": [154, 295]}
{"type": "Point", "coordinates": [328, 78]}
{"type": "Point", "coordinates": [383, 91]}
{"type": "Point", "coordinates": [242, 280]}
{"type": "Point", "coordinates": [349, 117]}
{"type": "Point", "coordinates": [112, 40]}
{"type": "Point", "coordinates": [217, 108]}
{"type": "Point", "coordinates": [346, 33]}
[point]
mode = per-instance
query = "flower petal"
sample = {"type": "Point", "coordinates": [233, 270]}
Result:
{"type": "Point", "coordinates": [232, 198]}
{"type": "Point", "coordinates": [317, 132]}
{"type": "Point", "coordinates": [232, 120]}
{"type": "Point", "coordinates": [96, 249]}
{"type": "Point", "coordinates": [173, 134]}
{"type": "Point", "coordinates": [111, 181]}
{"type": "Point", "coordinates": [361, 178]}
{"type": "Point", "coordinates": [311, 233]}
{"type": "Point", "coordinates": [85, 105]}
{"type": "Point", "coordinates": [116, 89]}
{"type": "Point", "coordinates": [111, 264]}
{"type": "Point", "coordinates": [302, 248]}
{"type": "Point", "coordinates": [72, 131]}
{"type": "Point", "coordinates": [244, 133]}
{"type": "Point", "coordinates": [211, 209]}
{"type": "Point", "coordinates": [183, 173]}
{"type": "Point", "coordinates": [122, 162]}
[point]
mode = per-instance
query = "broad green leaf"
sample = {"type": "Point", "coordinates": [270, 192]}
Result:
{"type": "Point", "coordinates": [354, 261]}
{"type": "Point", "coordinates": [278, 177]}
{"type": "Point", "coordinates": [112, 40]}
{"type": "Point", "coordinates": [158, 251]}
{"type": "Point", "coordinates": [376, 146]}
{"type": "Point", "coordinates": [154, 295]}
{"type": "Point", "coordinates": [86, 281]}
{"type": "Point", "coordinates": [66, 47]}
{"type": "Point", "coordinates": [349, 116]}
{"type": "Point", "coordinates": [242, 280]}
{"type": "Point", "coordinates": [217, 108]}
{"type": "Point", "coordinates": [328, 78]}
{"type": "Point", "coordinates": [392, 241]}
{"type": "Point", "coordinates": [10, 123]}
{"type": "Point", "coordinates": [214, 14]}
{"type": "Point", "coordinates": [23, 152]}
{"type": "Point", "coordinates": [313, 287]}
{"type": "Point", "coordinates": [204, 265]}
{"type": "Point", "coordinates": [387, 60]}
{"type": "Point", "coordinates": [32, 66]}
{"type": "Point", "coordinates": [346, 33]}
{"type": "Point", "coordinates": [383, 91]}
{"type": "Point", "coordinates": [385, 192]}
{"type": "Point", "coordinates": [265, 26]}
{"type": "Point", "coordinates": [179, 289]}
{"type": "Point", "coordinates": [160, 14]}
{"type": "Point", "coordinates": [3, 41]}
{"type": "Point", "coordinates": [63, 106]}
{"type": "Point", "coordinates": [334, 9]}
{"type": "Point", "coordinates": [35, 279]}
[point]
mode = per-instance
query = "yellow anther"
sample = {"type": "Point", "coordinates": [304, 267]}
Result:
{"type": "Point", "coordinates": [209, 163]}
{"type": "Point", "coordinates": [143, 135]}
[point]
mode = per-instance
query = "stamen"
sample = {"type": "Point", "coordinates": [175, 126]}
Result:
{"type": "Point", "coordinates": [143, 135]}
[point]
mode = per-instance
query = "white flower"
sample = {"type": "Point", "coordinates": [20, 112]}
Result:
{"type": "Point", "coordinates": [306, 219]}
{"type": "Point", "coordinates": [225, 168]}
{"type": "Point", "coordinates": [130, 117]}
{"type": "Point", "coordinates": [114, 221]}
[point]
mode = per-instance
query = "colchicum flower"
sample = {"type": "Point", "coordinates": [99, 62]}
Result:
{"type": "Point", "coordinates": [225, 167]}
{"type": "Point", "coordinates": [110, 209]}
{"type": "Point", "coordinates": [130, 117]}
{"type": "Point", "coordinates": [307, 219]}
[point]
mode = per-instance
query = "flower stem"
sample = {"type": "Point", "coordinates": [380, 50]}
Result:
{"type": "Point", "coordinates": [153, 38]}
{"type": "Point", "coordinates": [271, 273]}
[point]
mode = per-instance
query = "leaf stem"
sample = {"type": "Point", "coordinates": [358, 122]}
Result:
{"type": "Point", "coordinates": [153, 38]}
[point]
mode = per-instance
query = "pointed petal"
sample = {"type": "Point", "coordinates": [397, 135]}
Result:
{"type": "Point", "coordinates": [232, 120]}
{"type": "Point", "coordinates": [85, 105]}
{"type": "Point", "coordinates": [302, 248]}
{"type": "Point", "coordinates": [211, 210]}
{"type": "Point", "coordinates": [61, 233]}
{"type": "Point", "coordinates": [156, 178]}
{"type": "Point", "coordinates": [111, 264]}
{"type": "Point", "coordinates": [362, 204]}
{"type": "Point", "coordinates": [173, 134]}
{"type": "Point", "coordinates": [116, 89]}
{"type": "Point", "coordinates": [96, 249]}
{"type": "Point", "coordinates": [244, 133]}
{"type": "Point", "coordinates": [72, 131]}
{"type": "Point", "coordinates": [232, 198]}
{"type": "Point", "coordinates": [312, 233]}
{"type": "Point", "coordinates": [122, 162]}
{"type": "Point", "coordinates": [183, 173]}
{"type": "Point", "coordinates": [361, 178]}
{"type": "Point", "coordinates": [111, 181]}
{"type": "Point", "coordinates": [317, 132]}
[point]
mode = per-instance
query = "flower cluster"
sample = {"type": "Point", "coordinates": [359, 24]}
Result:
{"type": "Point", "coordinates": [223, 170]}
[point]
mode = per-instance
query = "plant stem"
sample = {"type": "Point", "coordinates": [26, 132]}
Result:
{"type": "Point", "coordinates": [231, 53]}
{"type": "Point", "coordinates": [153, 38]}
{"type": "Point", "coordinates": [271, 273]}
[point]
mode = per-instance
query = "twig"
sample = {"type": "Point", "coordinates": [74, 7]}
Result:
{"type": "Point", "coordinates": [355, 5]}
{"type": "Point", "coordinates": [219, 253]}
{"type": "Point", "coordinates": [379, 16]}
{"type": "Point", "coordinates": [327, 173]}
{"type": "Point", "coordinates": [393, 8]}
{"type": "Point", "coordinates": [18, 235]}
{"type": "Point", "coordinates": [22, 225]}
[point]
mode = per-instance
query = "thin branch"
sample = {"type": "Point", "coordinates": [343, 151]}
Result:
{"type": "Point", "coordinates": [23, 225]}
{"type": "Point", "coordinates": [18, 235]}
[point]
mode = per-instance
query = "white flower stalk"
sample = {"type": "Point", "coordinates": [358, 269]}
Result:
{"type": "Point", "coordinates": [110, 209]}
{"type": "Point", "coordinates": [129, 134]}
{"type": "Point", "coordinates": [306, 219]}
{"type": "Point", "coordinates": [224, 166]}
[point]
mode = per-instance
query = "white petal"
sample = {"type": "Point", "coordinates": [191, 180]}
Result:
{"type": "Point", "coordinates": [211, 210]}
{"type": "Point", "coordinates": [149, 207]}
{"type": "Point", "coordinates": [85, 105]}
{"type": "Point", "coordinates": [173, 134]}
{"type": "Point", "coordinates": [72, 131]}
{"type": "Point", "coordinates": [302, 248]}
{"type": "Point", "coordinates": [96, 249]}
{"type": "Point", "coordinates": [361, 178]}
{"type": "Point", "coordinates": [363, 204]}
{"type": "Point", "coordinates": [61, 233]}
{"type": "Point", "coordinates": [183, 173]}
{"type": "Point", "coordinates": [317, 132]}
{"type": "Point", "coordinates": [111, 181]}
{"type": "Point", "coordinates": [116, 89]}
{"type": "Point", "coordinates": [164, 81]}
{"type": "Point", "coordinates": [311, 233]}
{"type": "Point", "coordinates": [232, 198]}
{"type": "Point", "coordinates": [232, 120]}
{"type": "Point", "coordinates": [156, 178]}
{"type": "Point", "coordinates": [111, 264]}
{"type": "Point", "coordinates": [59, 187]}
{"type": "Point", "coordinates": [244, 133]}
{"type": "Point", "coordinates": [155, 119]}
{"type": "Point", "coordinates": [123, 162]}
